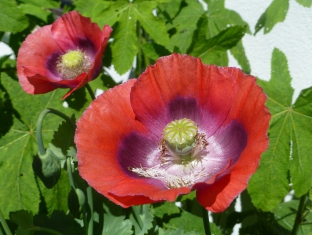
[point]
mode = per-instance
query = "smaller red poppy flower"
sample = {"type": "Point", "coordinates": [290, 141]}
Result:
{"type": "Point", "coordinates": [180, 126]}
{"type": "Point", "coordinates": [66, 54]}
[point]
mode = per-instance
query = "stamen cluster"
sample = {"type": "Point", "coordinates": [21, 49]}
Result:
{"type": "Point", "coordinates": [189, 162]}
{"type": "Point", "coordinates": [73, 63]}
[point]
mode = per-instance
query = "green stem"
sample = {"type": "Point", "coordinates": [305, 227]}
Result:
{"type": "Point", "coordinates": [306, 223]}
{"type": "Point", "coordinates": [39, 126]}
{"type": "Point", "coordinates": [41, 229]}
{"type": "Point", "coordinates": [90, 91]}
{"type": "Point", "coordinates": [206, 221]}
{"type": "Point", "coordinates": [90, 203]}
{"type": "Point", "coordinates": [69, 172]}
{"type": "Point", "coordinates": [300, 211]}
{"type": "Point", "coordinates": [4, 224]}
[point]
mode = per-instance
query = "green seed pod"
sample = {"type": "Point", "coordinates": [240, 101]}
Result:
{"type": "Point", "coordinates": [50, 164]}
{"type": "Point", "coordinates": [180, 136]}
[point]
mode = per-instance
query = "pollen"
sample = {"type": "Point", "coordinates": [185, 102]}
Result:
{"type": "Point", "coordinates": [71, 64]}
{"type": "Point", "coordinates": [188, 179]}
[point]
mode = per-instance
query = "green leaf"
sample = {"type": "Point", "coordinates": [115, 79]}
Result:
{"type": "Point", "coordinates": [301, 118]}
{"type": "Point", "coordinates": [215, 230]}
{"type": "Point", "coordinates": [185, 24]}
{"type": "Point", "coordinates": [305, 3]}
{"type": "Point", "coordinates": [285, 215]}
{"type": "Point", "coordinates": [46, 3]}
{"type": "Point", "coordinates": [125, 47]}
{"type": "Point", "coordinates": [142, 219]}
{"type": "Point", "coordinates": [238, 52]}
{"type": "Point", "coordinates": [154, 26]}
{"type": "Point", "coordinates": [24, 220]}
{"type": "Point", "coordinates": [101, 12]}
{"type": "Point", "coordinates": [188, 222]}
{"type": "Point", "coordinates": [55, 198]}
{"type": "Point", "coordinates": [58, 223]}
{"type": "Point", "coordinates": [179, 231]}
{"type": "Point", "coordinates": [269, 185]}
{"type": "Point", "coordinates": [116, 225]}
{"type": "Point", "coordinates": [169, 10]}
{"type": "Point", "coordinates": [166, 208]}
{"type": "Point", "coordinates": [39, 12]}
{"type": "Point", "coordinates": [275, 13]}
{"type": "Point", "coordinates": [127, 14]}
{"type": "Point", "coordinates": [154, 51]}
{"type": "Point", "coordinates": [289, 148]}
{"type": "Point", "coordinates": [213, 50]}
{"type": "Point", "coordinates": [12, 18]}
{"type": "Point", "coordinates": [18, 146]}
{"type": "Point", "coordinates": [217, 22]}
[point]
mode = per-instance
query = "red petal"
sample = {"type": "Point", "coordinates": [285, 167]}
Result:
{"type": "Point", "coordinates": [182, 75]}
{"type": "Point", "coordinates": [142, 189]}
{"type": "Point", "coordinates": [35, 72]}
{"type": "Point", "coordinates": [99, 133]}
{"type": "Point", "coordinates": [249, 110]}
{"type": "Point", "coordinates": [72, 27]}
{"type": "Point", "coordinates": [33, 54]}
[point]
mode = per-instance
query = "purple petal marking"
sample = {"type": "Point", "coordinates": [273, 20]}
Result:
{"type": "Point", "coordinates": [87, 47]}
{"type": "Point", "coordinates": [51, 66]}
{"type": "Point", "coordinates": [182, 107]}
{"type": "Point", "coordinates": [137, 150]}
{"type": "Point", "coordinates": [225, 146]}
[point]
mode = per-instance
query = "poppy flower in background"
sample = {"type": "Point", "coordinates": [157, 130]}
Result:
{"type": "Point", "coordinates": [180, 126]}
{"type": "Point", "coordinates": [66, 54]}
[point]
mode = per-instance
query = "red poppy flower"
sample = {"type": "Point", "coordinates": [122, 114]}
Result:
{"type": "Point", "coordinates": [180, 126]}
{"type": "Point", "coordinates": [66, 54]}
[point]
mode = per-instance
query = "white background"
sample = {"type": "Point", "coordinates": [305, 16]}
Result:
{"type": "Point", "coordinates": [293, 37]}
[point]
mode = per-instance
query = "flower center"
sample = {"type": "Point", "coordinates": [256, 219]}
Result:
{"type": "Point", "coordinates": [182, 156]}
{"type": "Point", "coordinates": [73, 63]}
{"type": "Point", "coordinates": [179, 136]}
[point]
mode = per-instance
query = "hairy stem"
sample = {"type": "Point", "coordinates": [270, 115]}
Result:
{"type": "Point", "coordinates": [90, 91]}
{"type": "Point", "coordinates": [206, 221]}
{"type": "Point", "coordinates": [4, 224]}
{"type": "Point", "coordinates": [39, 126]}
{"type": "Point", "coordinates": [90, 203]}
{"type": "Point", "coordinates": [299, 215]}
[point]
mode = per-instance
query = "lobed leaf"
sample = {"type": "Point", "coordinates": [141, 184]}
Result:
{"type": "Point", "coordinates": [12, 18]}
{"type": "Point", "coordinates": [289, 148]}
{"type": "Point", "coordinates": [154, 26]}
{"type": "Point", "coordinates": [305, 3]}
{"type": "Point", "coordinates": [213, 50]}
{"type": "Point", "coordinates": [142, 221]}
{"type": "Point", "coordinates": [217, 22]}
{"type": "Point", "coordinates": [188, 222]}
{"type": "Point", "coordinates": [18, 146]}
{"type": "Point", "coordinates": [275, 13]}
{"type": "Point", "coordinates": [185, 23]}
{"type": "Point", "coordinates": [39, 12]}
{"type": "Point", "coordinates": [285, 215]}
{"type": "Point", "coordinates": [116, 225]}
{"type": "Point", "coordinates": [24, 220]}
{"type": "Point", "coordinates": [124, 47]}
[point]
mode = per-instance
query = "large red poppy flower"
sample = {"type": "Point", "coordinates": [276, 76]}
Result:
{"type": "Point", "coordinates": [124, 152]}
{"type": "Point", "coordinates": [66, 54]}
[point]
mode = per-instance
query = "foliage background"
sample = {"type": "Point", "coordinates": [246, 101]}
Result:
{"type": "Point", "coordinates": [292, 37]}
